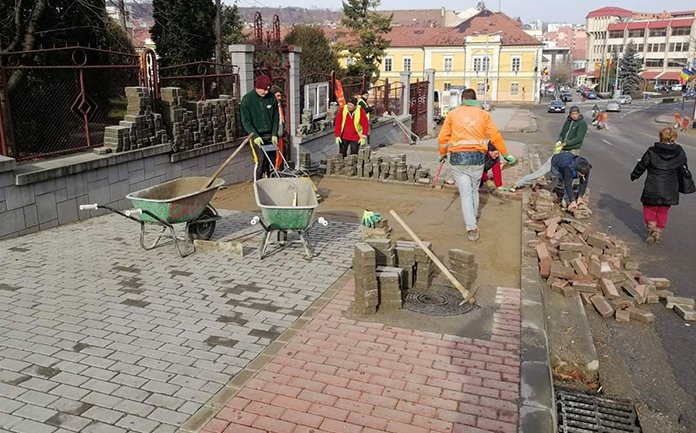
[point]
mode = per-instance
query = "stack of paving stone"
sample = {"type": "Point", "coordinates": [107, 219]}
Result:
{"type": "Point", "coordinates": [406, 260]}
{"type": "Point", "coordinates": [367, 164]}
{"type": "Point", "coordinates": [463, 267]}
{"type": "Point", "coordinates": [390, 281]}
{"type": "Point", "coordinates": [425, 268]}
{"type": "Point", "coordinates": [140, 127]}
{"type": "Point", "coordinates": [576, 259]}
{"type": "Point", "coordinates": [366, 288]}
{"type": "Point", "coordinates": [197, 123]}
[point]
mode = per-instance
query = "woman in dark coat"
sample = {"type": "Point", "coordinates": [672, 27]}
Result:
{"type": "Point", "coordinates": [663, 161]}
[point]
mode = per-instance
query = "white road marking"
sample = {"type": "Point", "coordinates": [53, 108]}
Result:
{"type": "Point", "coordinates": [609, 143]}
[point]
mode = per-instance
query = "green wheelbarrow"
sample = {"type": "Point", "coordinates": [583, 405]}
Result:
{"type": "Point", "coordinates": [287, 205]}
{"type": "Point", "coordinates": [184, 200]}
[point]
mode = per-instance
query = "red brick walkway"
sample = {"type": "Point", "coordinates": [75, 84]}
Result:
{"type": "Point", "coordinates": [339, 375]}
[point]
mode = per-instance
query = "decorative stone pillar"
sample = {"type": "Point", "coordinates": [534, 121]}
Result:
{"type": "Point", "coordinates": [243, 58]}
{"type": "Point", "coordinates": [294, 91]}
{"type": "Point", "coordinates": [430, 76]}
{"type": "Point", "coordinates": [405, 79]}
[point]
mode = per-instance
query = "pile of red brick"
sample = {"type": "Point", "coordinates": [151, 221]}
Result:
{"type": "Point", "coordinates": [575, 259]}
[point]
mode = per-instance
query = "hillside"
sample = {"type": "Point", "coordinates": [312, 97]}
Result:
{"type": "Point", "coordinates": [141, 12]}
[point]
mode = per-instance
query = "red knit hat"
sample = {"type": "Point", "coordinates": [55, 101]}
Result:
{"type": "Point", "coordinates": [263, 82]}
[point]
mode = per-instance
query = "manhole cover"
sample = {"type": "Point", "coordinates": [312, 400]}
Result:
{"type": "Point", "coordinates": [437, 301]}
{"type": "Point", "coordinates": [584, 413]}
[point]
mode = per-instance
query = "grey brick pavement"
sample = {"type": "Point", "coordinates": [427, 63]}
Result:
{"type": "Point", "coordinates": [98, 335]}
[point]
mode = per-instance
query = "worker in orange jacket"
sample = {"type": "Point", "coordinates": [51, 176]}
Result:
{"type": "Point", "coordinates": [463, 137]}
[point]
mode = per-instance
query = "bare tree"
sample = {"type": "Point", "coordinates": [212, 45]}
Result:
{"type": "Point", "coordinates": [562, 74]}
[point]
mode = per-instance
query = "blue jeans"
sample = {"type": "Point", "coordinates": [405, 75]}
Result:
{"type": "Point", "coordinates": [468, 178]}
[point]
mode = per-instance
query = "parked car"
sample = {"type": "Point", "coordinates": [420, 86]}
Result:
{"type": "Point", "coordinates": [613, 105]}
{"type": "Point", "coordinates": [676, 87]}
{"type": "Point", "coordinates": [690, 94]}
{"type": "Point", "coordinates": [591, 95]}
{"type": "Point", "coordinates": [566, 96]}
{"type": "Point", "coordinates": [557, 106]}
{"type": "Point", "coordinates": [625, 99]}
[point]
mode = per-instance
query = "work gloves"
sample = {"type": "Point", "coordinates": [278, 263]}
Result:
{"type": "Point", "coordinates": [510, 159]}
{"type": "Point", "coordinates": [362, 141]}
{"type": "Point", "coordinates": [338, 140]}
{"type": "Point", "coordinates": [274, 140]}
{"type": "Point", "coordinates": [370, 218]}
{"type": "Point", "coordinates": [258, 141]}
{"type": "Point", "coordinates": [558, 148]}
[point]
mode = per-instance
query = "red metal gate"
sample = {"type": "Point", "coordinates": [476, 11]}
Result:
{"type": "Point", "coordinates": [418, 107]}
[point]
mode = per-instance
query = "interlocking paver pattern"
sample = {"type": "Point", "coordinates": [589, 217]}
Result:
{"type": "Point", "coordinates": [340, 375]}
{"type": "Point", "coordinates": [98, 335]}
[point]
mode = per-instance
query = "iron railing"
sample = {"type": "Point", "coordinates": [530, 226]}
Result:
{"type": "Point", "coordinates": [58, 100]}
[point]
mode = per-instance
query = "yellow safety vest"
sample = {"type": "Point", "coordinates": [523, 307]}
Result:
{"type": "Point", "coordinates": [356, 120]}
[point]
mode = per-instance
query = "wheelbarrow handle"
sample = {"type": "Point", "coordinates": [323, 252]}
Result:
{"type": "Point", "coordinates": [94, 206]}
{"type": "Point", "coordinates": [133, 212]}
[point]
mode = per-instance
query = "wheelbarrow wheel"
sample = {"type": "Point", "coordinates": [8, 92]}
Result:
{"type": "Point", "coordinates": [203, 230]}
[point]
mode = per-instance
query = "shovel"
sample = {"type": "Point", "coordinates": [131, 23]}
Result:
{"type": "Point", "coordinates": [224, 164]}
{"type": "Point", "coordinates": [468, 298]}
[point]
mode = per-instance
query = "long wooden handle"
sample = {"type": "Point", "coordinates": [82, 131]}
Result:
{"type": "Point", "coordinates": [465, 293]}
{"type": "Point", "coordinates": [227, 161]}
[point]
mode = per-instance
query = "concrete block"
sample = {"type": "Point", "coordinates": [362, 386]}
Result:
{"type": "Point", "coordinates": [675, 300]}
{"type": "Point", "coordinates": [602, 306]}
{"type": "Point", "coordinates": [686, 312]}
{"type": "Point", "coordinates": [579, 267]}
{"type": "Point", "coordinates": [560, 270]}
{"type": "Point", "coordinates": [67, 211]}
{"type": "Point", "coordinates": [229, 248]}
{"type": "Point", "coordinates": [661, 283]}
{"type": "Point", "coordinates": [544, 260]}
{"type": "Point", "coordinates": [46, 207]}
{"type": "Point", "coordinates": [585, 286]}
{"type": "Point", "coordinates": [622, 316]}
{"type": "Point", "coordinates": [639, 315]}
{"type": "Point", "coordinates": [631, 265]}
{"type": "Point", "coordinates": [637, 291]}
{"type": "Point", "coordinates": [609, 289]}
{"type": "Point", "coordinates": [19, 196]}
{"type": "Point", "coordinates": [12, 222]}
{"type": "Point", "coordinates": [663, 293]}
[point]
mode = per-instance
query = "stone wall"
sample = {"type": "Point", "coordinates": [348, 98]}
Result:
{"type": "Point", "coordinates": [46, 194]}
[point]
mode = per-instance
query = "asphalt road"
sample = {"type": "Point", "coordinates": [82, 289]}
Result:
{"type": "Point", "coordinates": [657, 363]}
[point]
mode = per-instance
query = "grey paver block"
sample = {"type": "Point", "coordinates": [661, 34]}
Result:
{"type": "Point", "coordinates": [37, 398]}
{"type": "Point", "coordinates": [70, 379]}
{"type": "Point", "coordinates": [29, 426]}
{"type": "Point", "coordinates": [100, 399]}
{"type": "Point", "coordinates": [10, 391]}
{"type": "Point", "coordinates": [36, 413]}
{"type": "Point", "coordinates": [102, 414]}
{"type": "Point", "coordinates": [100, 427]}
{"type": "Point", "coordinates": [67, 421]}
{"type": "Point", "coordinates": [69, 391]}
{"type": "Point", "coordinates": [160, 387]}
{"type": "Point", "coordinates": [131, 393]}
{"type": "Point", "coordinates": [165, 401]}
{"type": "Point", "coordinates": [9, 406]}
{"type": "Point", "coordinates": [168, 416]}
{"type": "Point", "coordinates": [7, 421]}
{"type": "Point", "coordinates": [134, 408]}
{"type": "Point", "coordinates": [137, 424]}
{"type": "Point", "coordinates": [100, 386]}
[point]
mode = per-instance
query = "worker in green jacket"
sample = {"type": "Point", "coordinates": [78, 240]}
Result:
{"type": "Point", "coordinates": [573, 132]}
{"type": "Point", "coordinates": [261, 119]}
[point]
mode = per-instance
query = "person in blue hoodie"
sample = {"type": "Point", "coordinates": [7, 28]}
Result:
{"type": "Point", "coordinates": [566, 167]}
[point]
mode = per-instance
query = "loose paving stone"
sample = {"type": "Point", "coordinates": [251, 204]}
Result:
{"type": "Point", "coordinates": [103, 336]}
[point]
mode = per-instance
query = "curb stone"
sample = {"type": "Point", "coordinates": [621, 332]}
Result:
{"type": "Point", "coordinates": [537, 404]}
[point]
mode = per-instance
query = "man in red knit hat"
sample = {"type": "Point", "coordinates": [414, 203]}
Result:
{"type": "Point", "coordinates": [260, 118]}
{"type": "Point", "coordinates": [351, 128]}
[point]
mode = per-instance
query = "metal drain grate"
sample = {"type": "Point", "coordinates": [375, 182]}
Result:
{"type": "Point", "coordinates": [584, 413]}
{"type": "Point", "coordinates": [437, 301]}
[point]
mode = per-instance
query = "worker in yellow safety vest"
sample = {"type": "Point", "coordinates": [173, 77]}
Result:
{"type": "Point", "coordinates": [351, 128]}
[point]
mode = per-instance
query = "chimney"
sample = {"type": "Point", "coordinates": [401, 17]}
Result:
{"type": "Point", "coordinates": [442, 11]}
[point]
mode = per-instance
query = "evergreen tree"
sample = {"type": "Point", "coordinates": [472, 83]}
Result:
{"type": "Point", "coordinates": [367, 30]}
{"type": "Point", "coordinates": [630, 68]}
{"type": "Point", "coordinates": [231, 30]}
{"type": "Point", "coordinates": [184, 30]}
{"type": "Point", "coordinates": [317, 59]}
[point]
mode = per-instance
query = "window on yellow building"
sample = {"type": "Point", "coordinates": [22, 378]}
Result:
{"type": "Point", "coordinates": [388, 64]}
{"type": "Point", "coordinates": [481, 63]}
{"type": "Point", "coordinates": [515, 89]}
{"type": "Point", "coordinates": [448, 86]}
{"type": "Point", "coordinates": [516, 62]}
{"type": "Point", "coordinates": [480, 88]}
{"type": "Point", "coordinates": [448, 62]}
{"type": "Point", "coordinates": [407, 64]}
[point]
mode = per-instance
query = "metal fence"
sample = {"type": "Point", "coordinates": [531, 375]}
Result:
{"type": "Point", "coordinates": [59, 100]}
{"type": "Point", "coordinates": [201, 80]}
{"type": "Point", "coordinates": [387, 98]}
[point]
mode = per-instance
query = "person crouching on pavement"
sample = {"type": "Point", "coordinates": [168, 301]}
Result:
{"type": "Point", "coordinates": [463, 137]}
{"type": "Point", "coordinates": [566, 167]}
{"type": "Point", "coordinates": [351, 128]}
{"type": "Point", "coordinates": [663, 162]}
{"type": "Point", "coordinates": [492, 163]}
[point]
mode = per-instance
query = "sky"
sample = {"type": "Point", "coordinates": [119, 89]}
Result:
{"type": "Point", "coordinates": [571, 11]}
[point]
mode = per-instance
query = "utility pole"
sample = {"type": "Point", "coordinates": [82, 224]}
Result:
{"type": "Point", "coordinates": [218, 36]}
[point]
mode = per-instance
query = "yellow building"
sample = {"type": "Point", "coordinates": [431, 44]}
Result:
{"type": "Point", "coordinates": [488, 52]}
